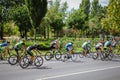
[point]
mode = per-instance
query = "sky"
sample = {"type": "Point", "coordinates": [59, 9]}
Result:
{"type": "Point", "coordinates": [75, 3]}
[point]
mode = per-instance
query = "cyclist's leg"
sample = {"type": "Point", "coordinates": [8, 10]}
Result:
{"type": "Point", "coordinates": [70, 52]}
{"type": "Point", "coordinates": [31, 55]}
{"type": "Point", "coordinates": [17, 53]}
{"type": "Point", "coordinates": [85, 51]}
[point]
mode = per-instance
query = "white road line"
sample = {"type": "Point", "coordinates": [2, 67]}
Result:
{"type": "Point", "coordinates": [64, 75]}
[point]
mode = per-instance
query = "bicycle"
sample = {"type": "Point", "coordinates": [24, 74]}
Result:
{"type": "Point", "coordinates": [51, 54]}
{"type": "Point", "coordinates": [72, 56]}
{"type": "Point", "coordinates": [88, 54]}
{"type": "Point", "coordinates": [98, 54]}
{"type": "Point", "coordinates": [37, 61]}
{"type": "Point", "coordinates": [13, 59]}
{"type": "Point", "coordinates": [5, 54]}
{"type": "Point", "coordinates": [108, 54]}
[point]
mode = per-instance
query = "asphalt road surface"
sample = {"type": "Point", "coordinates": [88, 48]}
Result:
{"type": "Point", "coordinates": [82, 69]}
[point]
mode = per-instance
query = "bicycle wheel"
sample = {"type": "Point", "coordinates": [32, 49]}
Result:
{"type": "Point", "coordinates": [65, 57]}
{"type": "Point", "coordinates": [24, 62]}
{"type": "Point", "coordinates": [110, 55]}
{"type": "Point", "coordinates": [89, 54]}
{"type": "Point", "coordinates": [95, 56]}
{"type": "Point", "coordinates": [74, 57]}
{"type": "Point", "coordinates": [102, 56]}
{"type": "Point", "coordinates": [38, 61]}
{"type": "Point", "coordinates": [48, 56]}
{"type": "Point", "coordinates": [58, 55]}
{"type": "Point", "coordinates": [13, 59]}
{"type": "Point", "coordinates": [81, 55]}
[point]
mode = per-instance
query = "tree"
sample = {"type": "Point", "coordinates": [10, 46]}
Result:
{"type": "Point", "coordinates": [94, 8]}
{"type": "Point", "coordinates": [21, 18]}
{"type": "Point", "coordinates": [78, 19]}
{"type": "Point", "coordinates": [37, 10]}
{"type": "Point", "coordinates": [94, 22]}
{"type": "Point", "coordinates": [10, 28]}
{"type": "Point", "coordinates": [85, 8]}
{"type": "Point", "coordinates": [5, 6]}
{"type": "Point", "coordinates": [111, 21]}
{"type": "Point", "coordinates": [55, 17]}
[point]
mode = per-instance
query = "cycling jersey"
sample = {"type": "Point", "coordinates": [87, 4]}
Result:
{"type": "Point", "coordinates": [29, 48]}
{"type": "Point", "coordinates": [114, 44]}
{"type": "Point", "coordinates": [97, 47]}
{"type": "Point", "coordinates": [67, 46]}
{"type": "Point", "coordinates": [19, 45]}
{"type": "Point", "coordinates": [4, 44]}
{"type": "Point", "coordinates": [99, 44]}
{"type": "Point", "coordinates": [107, 44]}
{"type": "Point", "coordinates": [85, 45]}
{"type": "Point", "coordinates": [53, 44]}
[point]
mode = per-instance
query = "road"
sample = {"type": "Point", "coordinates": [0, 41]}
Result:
{"type": "Point", "coordinates": [82, 69]}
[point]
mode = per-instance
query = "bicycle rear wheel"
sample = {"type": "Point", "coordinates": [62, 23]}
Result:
{"type": "Point", "coordinates": [58, 55]}
{"type": "Point", "coordinates": [38, 61]}
{"type": "Point", "coordinates": [81, 55]}
{"type": "Point", "coordinates": [110, 55]}
{"type": "Point", "coordinates": [13, 59]}
{"type": "Point", "coordinates": [95, 56]}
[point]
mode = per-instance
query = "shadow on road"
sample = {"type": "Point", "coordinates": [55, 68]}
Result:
{"type": "Point", "coordinates": [2, 62]}
{"type": "Point", "coordinates": [42, 67]}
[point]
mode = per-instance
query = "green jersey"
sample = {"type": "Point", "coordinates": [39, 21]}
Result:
{"type": "Point", "coordinates": [20, 44]}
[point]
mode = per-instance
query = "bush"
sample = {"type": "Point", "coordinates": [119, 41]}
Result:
{"type": "Point", "coordinates": [44, 46]}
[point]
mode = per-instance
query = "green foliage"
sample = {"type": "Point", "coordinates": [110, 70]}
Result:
{"type": "Point", "coordinates": [111, 21]}
{"type": "Point", "coordinates": [85, 8]}
{"type": "Point", "coordinates": [10, 28]}
{"type": "Point", "coordinates": [37, 10]}
{"type": "Point", "coordinates": [75, 20]}
{"type": "Point", "coordinates": [20, 16]}
{"type": "Point", "coordinates": [55, 16]}
{"type": "Point", "coordinates": [5, 11]}
{"type": "Point", "coordinates": [94, 8]}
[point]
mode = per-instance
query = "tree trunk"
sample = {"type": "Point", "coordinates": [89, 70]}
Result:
{"type": "Point", "coordinates": [34, 35]}
{"type": "Point", "coordinates": [48, 30]}
{"type": "Point", "coordinates": [1, 31]}
{"type": "Point", "coordinates": [45, 32]}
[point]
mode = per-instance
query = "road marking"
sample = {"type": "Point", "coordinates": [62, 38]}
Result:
{"type": "Point", "coordinates": [64, 75]}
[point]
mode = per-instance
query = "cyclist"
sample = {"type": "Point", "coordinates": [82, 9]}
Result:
{"type": "Point", "coordinates": [86, 46]}
{"type": "Point", "coordinates": [108, 45]}
{"type": "Point", "coordinates": [4, 44]}
{"type": "Point", "coordinates": [19, 46]}
{"type": "Point", "coordinates": [99, 45]}
{"type": "Point", "coordinates": [3, 47]}
{"type": "Point", "coordinates": [114, 43]}
{"type": "Point", "coordinates": [69, 48]}
{"type": "Point", "coordinates": [29, 50]}
{"type": "Point", "coordinates": [54, 44]}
